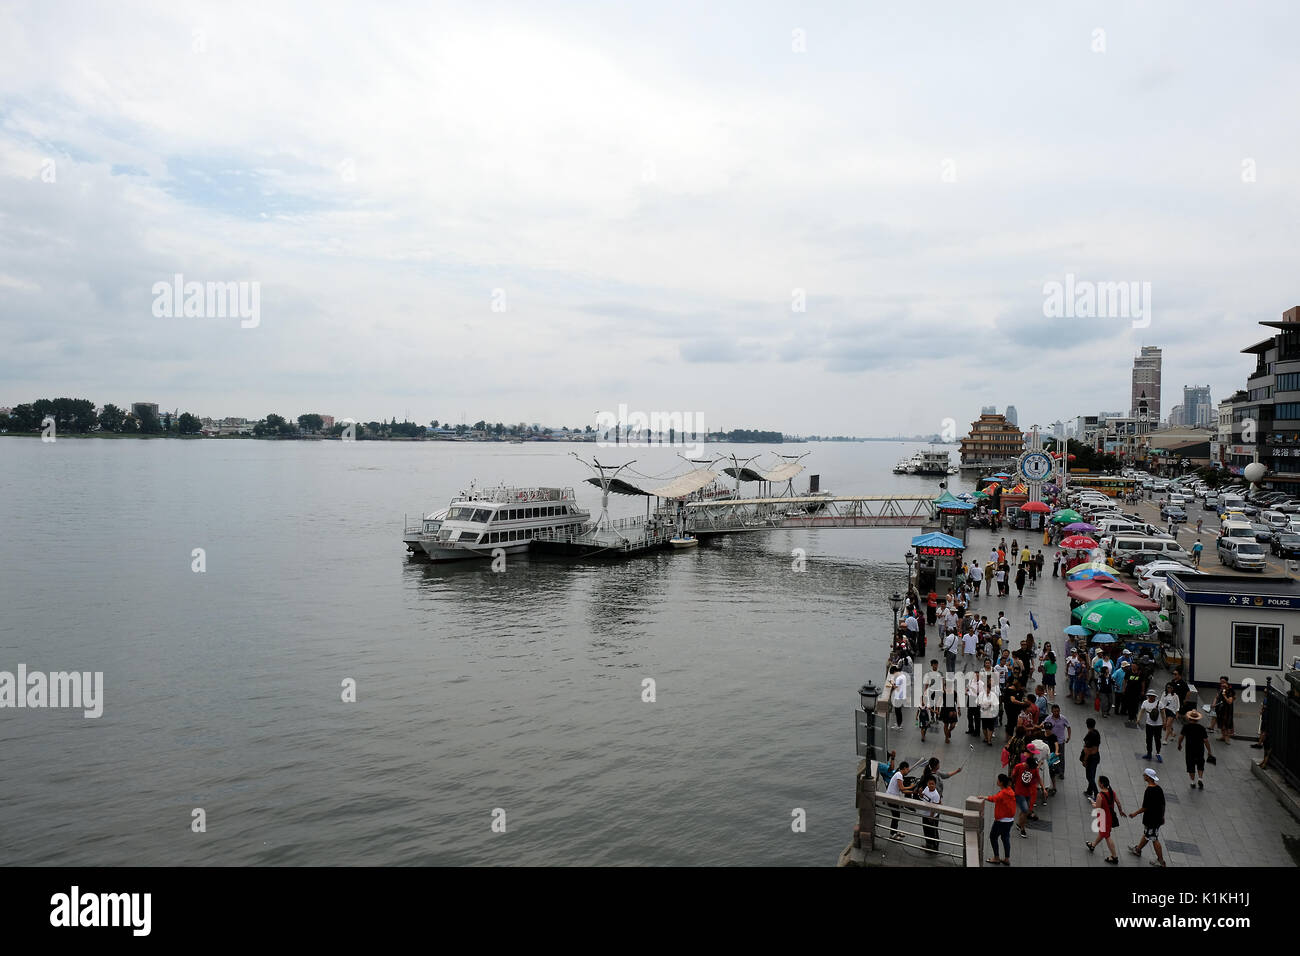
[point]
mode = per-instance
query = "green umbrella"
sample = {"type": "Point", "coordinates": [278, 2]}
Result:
{"type": "Point", "coordinates": [979, 494]}
{"type": "Point", "coordinates": [1068, 516]}
{"type": "Point", "coordinates": [1111, 616]}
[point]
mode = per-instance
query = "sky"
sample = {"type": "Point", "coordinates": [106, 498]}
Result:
{"type": "Point", "coordinates": [838, 219]}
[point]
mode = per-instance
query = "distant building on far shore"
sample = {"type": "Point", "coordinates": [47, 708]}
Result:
{"type": "Point", "coordinates": [137, 408]}
{"type": "Point", "coordinates": [993, 442]}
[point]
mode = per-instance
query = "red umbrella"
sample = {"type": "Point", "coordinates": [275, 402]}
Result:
{"type": "Point", "coordinates": [1078, 542]}
{"type": "Point", "coordinates": [1096, 588]}
{"type": "Point", "coordinates": [1034, 506]}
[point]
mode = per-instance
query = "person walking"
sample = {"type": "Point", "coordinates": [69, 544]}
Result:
{"type": "Point", "coordinates": [969, 646]}
{"type": "Point", "coordinates": [1021, 575]}
{"type": "Point", "coordinates": [1090, 756]}
{"type": "Point", "coordinates": [1004, 814]}
{"type": "Point", "coordinates": [1200, 522]}
{"type": "Point", "coordinates": [1223, 703]}
{"type": "Point", "coordinates": [973, 705]}
{"type": "Point", "coordinates": [990, 572]}
{"type": "Point", "coordinates": [1026, 782]}
{"type": "Point", "coordinates": [974, 577]}
{"type": "Point", "coordinates": [897, 685]}
{"type": "Point", "coordinates": [1048, 667]}
{"type": "Point", "coordinates": [1104, 819]}
{"type": "Point", "coordinates": [1153, 818]}
{"type": "Point", "coordinates": [1169, 710]}
{"type": "Point", "coordinates": [1039, 561]}
{"type": "Point", "coordinates": [1056, 563]}
{"type": "Point", "coordinates": [1197, 739]}
{"type": "Point", "coordinates": [1196, 552]}
{"type": "Point", "coordinates": [988, 704]}
{"type": "Point", "coordinates": [1153, 723]}
{"type": "Point", "coordinates": [950, 645]}
{"type": "Point", "coordinates": [1002, 580]}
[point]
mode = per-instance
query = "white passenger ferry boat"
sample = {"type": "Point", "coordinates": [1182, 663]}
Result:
{"type": "Point", "coordinates": [476, 523]}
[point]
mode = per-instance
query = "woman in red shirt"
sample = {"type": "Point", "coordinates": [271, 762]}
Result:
{"type": "Point", "coordinates": [1103, 818]}
{"type": "Point", "coordinates": [1004, 813]}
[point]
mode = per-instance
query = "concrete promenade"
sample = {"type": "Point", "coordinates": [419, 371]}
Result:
{"type": "Point", "coordinates": [1234, 821]}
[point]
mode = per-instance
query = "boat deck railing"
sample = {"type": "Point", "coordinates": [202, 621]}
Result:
{"type": "Point", "coordinates": [510, 494]}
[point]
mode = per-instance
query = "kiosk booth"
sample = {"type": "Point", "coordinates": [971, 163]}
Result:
{"type": "Point", "coordinates": [938, 562]}
{"type": "Point", "coordinates": [953, 514]}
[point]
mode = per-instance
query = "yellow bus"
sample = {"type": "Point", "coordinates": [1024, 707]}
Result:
{"type": "Point", "coordinates": [1106, 484]}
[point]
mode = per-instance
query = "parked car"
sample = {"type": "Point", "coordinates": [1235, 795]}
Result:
{"type": "Point", "coordinates": [1263, 532]}
{"type": "Point", "coordinates": [1159, 570]}
{"type": "Point", "coordinates": [1211, 503]}
{"type": "Point", "coordinates": [1173, 513]}
{"type": "Point", "coordinates": [1285, 544]}
{"type": "Point", "coordinates": [1133, 561]}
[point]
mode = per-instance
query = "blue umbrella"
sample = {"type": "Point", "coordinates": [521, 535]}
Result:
{"type": "Point", "coordinates": [1074, 630]}
{"type": "Point", "coordinates": [1103, 638]}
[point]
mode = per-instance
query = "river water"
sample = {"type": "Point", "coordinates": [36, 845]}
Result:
{"type": "Point", "coordinates": [476, 692]}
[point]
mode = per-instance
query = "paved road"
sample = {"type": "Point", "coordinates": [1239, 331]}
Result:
{"type": "Point", "coordinates": [1234, 821]}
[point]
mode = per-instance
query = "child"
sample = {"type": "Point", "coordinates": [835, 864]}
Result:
{"type": "Point", "coordinates": [923, 720]}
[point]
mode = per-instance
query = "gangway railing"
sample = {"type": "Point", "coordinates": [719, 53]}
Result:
{"type": "Point", "coordinates": [816, 511]}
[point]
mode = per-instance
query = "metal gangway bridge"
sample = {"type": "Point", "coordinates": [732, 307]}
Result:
{"type": "Point", "coordinates": [704, 518]}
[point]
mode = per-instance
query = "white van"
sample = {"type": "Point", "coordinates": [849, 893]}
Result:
{"type": "Point", "coordinates": [1116, 526]}
{"type": "Point", "coordinates": [1121, 544]}
{"type": "Point", "coordinates": [1275, 520]}
{"type": "Point", "coordinates": [1236, 529]}
{"type": "Point", "coordinates": [1241, 553]}
{"type": "Point", "coordinates": [1231, 502]}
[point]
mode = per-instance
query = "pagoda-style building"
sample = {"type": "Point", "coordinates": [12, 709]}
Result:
{"type": "Point", "coordinates": [993, 443]}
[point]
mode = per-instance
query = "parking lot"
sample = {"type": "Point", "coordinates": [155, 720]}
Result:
{"type": "Point", "coordinates": [1149, 510]}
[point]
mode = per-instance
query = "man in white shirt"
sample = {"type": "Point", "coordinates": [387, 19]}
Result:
{"type": "Point", "coordinates": [896, 789]}
{"type": "Point", "coordinates": [969, 645]}
{"type": "Point", "coordinates": [1005, 626]}
{"type": "Point", "coordinates": [898, 694]}
{"type": "Point", "coordinates": [975, 576]}
{"type": "Point", "coordinates": [1153, 722]}
{"type": "Point", "coordinates": [950, 645]}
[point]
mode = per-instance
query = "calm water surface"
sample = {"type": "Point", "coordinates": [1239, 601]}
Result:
{"type": "Point", "coordinates": [519, 690]}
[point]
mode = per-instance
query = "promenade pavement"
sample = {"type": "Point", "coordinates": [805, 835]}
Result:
{"type": "Point", "coordinates": [1234, 821]}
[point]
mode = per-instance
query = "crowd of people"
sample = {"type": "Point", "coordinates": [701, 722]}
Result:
{"type": "Point", "coordinates": [1009, 692]}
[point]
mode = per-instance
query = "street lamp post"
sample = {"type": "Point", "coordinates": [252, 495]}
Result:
{"type": "Point", "coordinates": [896, 602]}
{"type": "Point", "coordinates": [909, 558]}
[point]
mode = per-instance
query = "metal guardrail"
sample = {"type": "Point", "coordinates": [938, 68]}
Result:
{"type": "Point", "coordinates": [1282, 724]}
{"type": "Point", "coordinates": [955, 834]}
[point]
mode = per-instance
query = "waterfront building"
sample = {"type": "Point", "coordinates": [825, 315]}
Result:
{"type": "Point", "coordinates": [992, 442]}
{"type": "Point", "coordinates": [137, 408]}
{"type": "Point", "coordinates": [1146, 383]}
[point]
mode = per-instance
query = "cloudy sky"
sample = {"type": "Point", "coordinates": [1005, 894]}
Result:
{"type": "Point", "coordinates": [539, 210]}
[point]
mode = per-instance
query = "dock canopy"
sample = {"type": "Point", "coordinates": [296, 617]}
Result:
{"type": "Point", "coordinates": [782, 472]}
{"type": "Point", "coordinates": [679, 487]}
{"type": "Point", "coordinates": [947, 502]}
{"type": "Point", "coordinates": [935, 539]}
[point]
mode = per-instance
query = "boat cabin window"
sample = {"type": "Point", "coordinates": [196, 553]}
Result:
{"type": "Point", "coordinates": [481, 515]}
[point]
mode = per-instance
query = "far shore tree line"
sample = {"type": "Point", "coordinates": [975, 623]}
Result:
{"type": "Point", "coordinates": [77, 416]}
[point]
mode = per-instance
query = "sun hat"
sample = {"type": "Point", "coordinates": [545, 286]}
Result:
{"type": "Point", "coordinates": [1193, 715]}
{"type": "Point", "coordinates": [1151, 774]}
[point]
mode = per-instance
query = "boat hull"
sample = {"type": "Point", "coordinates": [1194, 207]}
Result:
{"type": "Point", "coordinates": [442, 551]}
